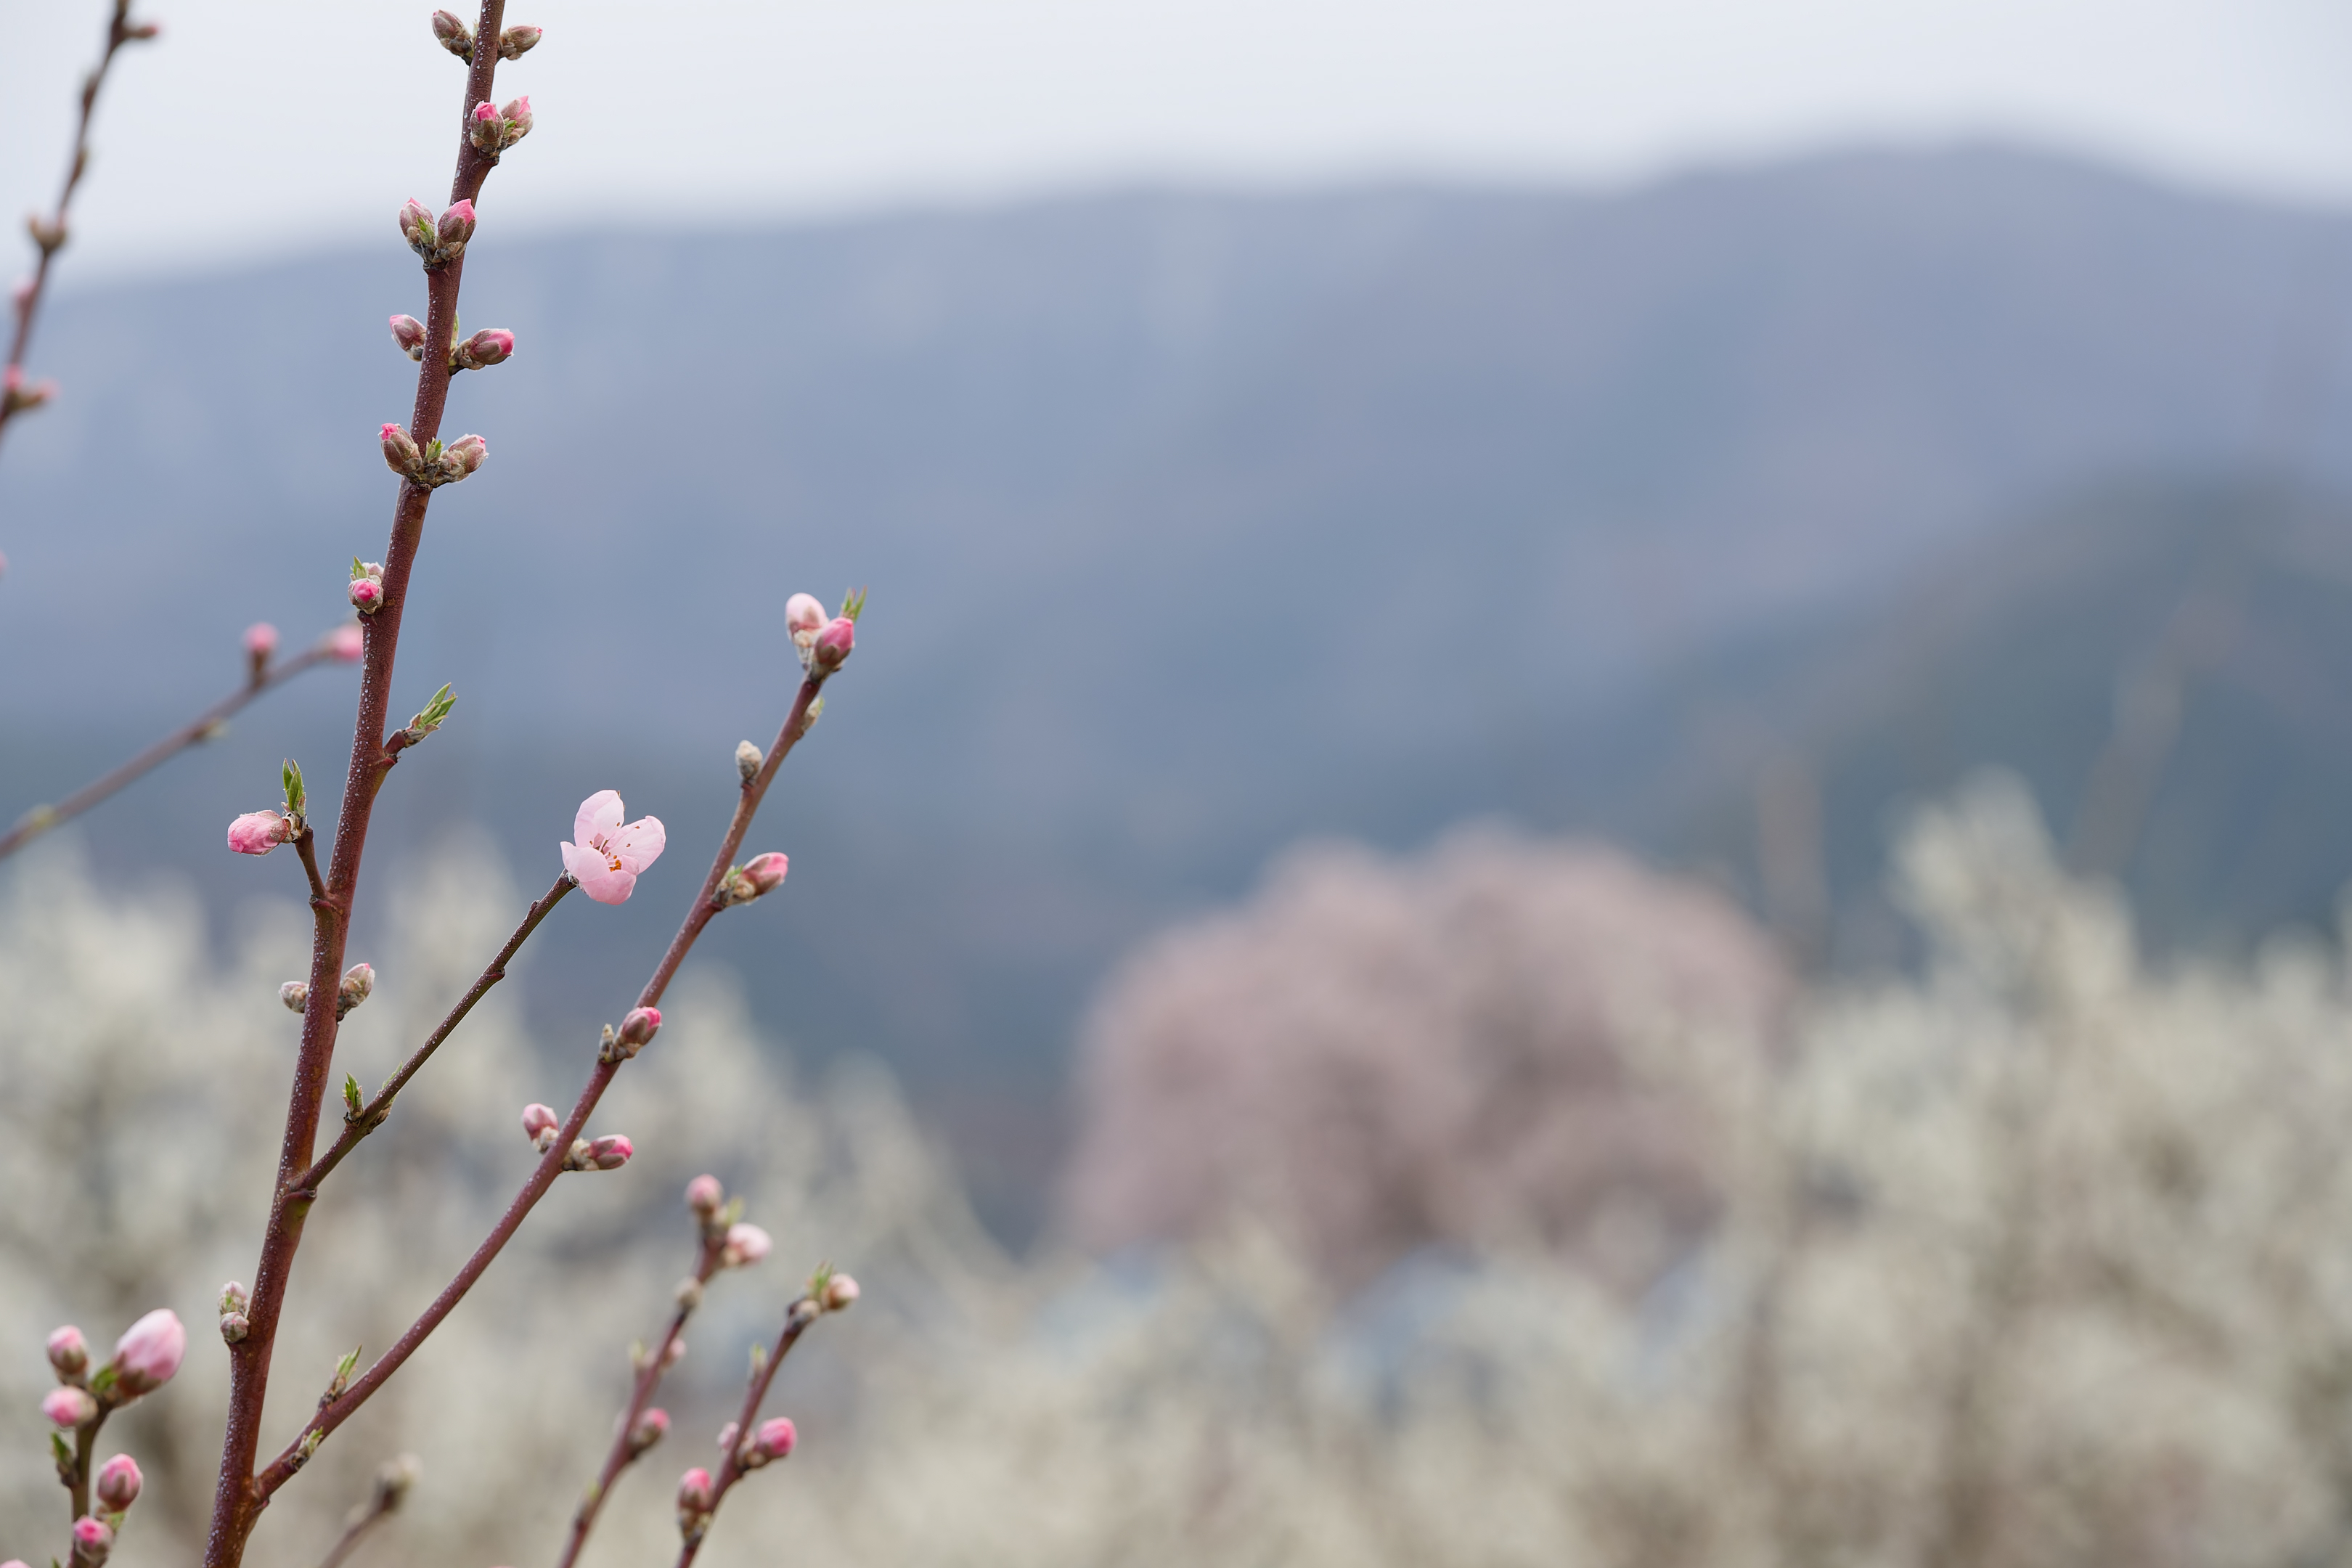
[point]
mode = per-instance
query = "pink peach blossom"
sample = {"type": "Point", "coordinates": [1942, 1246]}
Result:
{"type": "Point", "coordinates": [746, 1244]}
{"type": "Point", "coordinates": [149, 1353]}
{"type": "Point", "coordinates": [346, 643]}
{"type": "Point", "coordinates": [68, 1407]}
{"type": "Point", "coordinates": [694, 1495]}
{"type": "Point", "coordinates": [119, 1481]}
{"type": "Point", "coordinates": [259, 832]}
{"type": "Point", "coordinates": [92, 1540]}
{"type": "Point", "coordinates": [703, 1195]}
{"type": "Point", "coordinates": [610, 856]}
{"type": "Point", "coordinates": [765, 873]}
{"type": "Point", "coordinates": [609, 1152]}
{"type": "Point", "coordinates": [840, 1293]}
{"type": "Point", "coordinates": [804, 617]}
{"type": "Point", "coordinates": [68, 1351]}
{"type": "Point", "coordinates": [261, 639]}
{"type": "Point", "coordinates": [776, 1439]}
{"type": "Point", "coordinates": [834, 645]}
{"type": "Point", "coordinates": [539, 1122]}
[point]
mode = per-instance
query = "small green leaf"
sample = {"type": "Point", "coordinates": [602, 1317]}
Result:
{"type": "Point", "coordinates": [290, 776]}
{"type": "Point", "coordinates": [351, 1097]}
{"type": "Point", "coordinates": [853, 604]}
{"type": "Point", "coordinates": [358, 570]}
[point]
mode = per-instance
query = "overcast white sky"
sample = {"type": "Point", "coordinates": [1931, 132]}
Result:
{"type": "Point", "coordinates": [260, 126]}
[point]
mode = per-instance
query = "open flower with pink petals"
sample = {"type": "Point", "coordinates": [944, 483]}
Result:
{"type": "Point", "coordinates": [611, 855]}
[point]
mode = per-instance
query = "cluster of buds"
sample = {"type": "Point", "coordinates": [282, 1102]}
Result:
{"type": "Point", "coordinates": [437, 241]}
{"type": "Point", "coordinates": [649, 1429]}
{"type": "Point", "coordinates": [235, 1298]}
{"type": "Point", "coordinates": [737, 1245]}
{"type": "Point", "coordinates": [606, 1153]}
{"type": "Point", "coordinates": [696, 1498]}
{"type": "Point", "coordinates": [456, 38]}
{"type": "Point", "coordinates": [831, 1291]}
{"type": "Point", "coordinates": [824, 643]}
{"type": "Point", "coordinates": [760, 875]}
{"type": "Point", "coordinates": [367, 583]}
{"type": "Point", "coordinates": [493, 129]}
{"type": "Point", "coordinates": [635, 1033]}
{"type": "Point", "coordinates": [433, 463]}
{"type": "Point", "coordinates": [15, 396]}
{"type": "Point", "coordinates": [775, 1439]}
{"type": "Point", "coordinates": [483, 350]}
{"type": "Point", "coordinates": [259, 832]}
{"type": "Point", "coordinates": [346, 644]}
{"type": "Point", "coordinates": [145, 1357]}
{"type": "Point", "coordinates": [358, 982]}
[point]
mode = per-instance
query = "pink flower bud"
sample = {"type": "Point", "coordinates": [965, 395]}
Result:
{"type": "Point", "coordinates": [346, 643]}
{"type": "Point", "coordinates": [68, 1351]}
{"type": "Point", "coordinates": [694, 1494]}
{"type": "Point", "coordinates": [775, 1440]}
{"type": "Point", "coordinates": [93, 1541]}
{"type": "Point", "coordinates": [839, 1292]}
{"type": "Point", "coordinates": [16, 396]}
{"type": "Point", "coordinates": [68, 1408]}
{"type": "Point", "coordinates": [703, 1195]}
{"type": "Point", "coordinates": [746, 1244]}
{"type": "Point", "coordinates": [454, 36]}
{"type": "Point", "coordinates": [466, 453]}
{"type": "Point", "coordinates": [765, 873]}
{"type": "Point", "coordinates": [834, 645]}
{"type": "Point", "coordinates": [485, 349]}
{"type": "Point", "coordinates": [727, 1437]}
{"type": "Point", "coordinates": [294, 995]}
{"type": "Point", "coordinates": [675, 1353]}
{"type": "Point", "coordinates": [400, 453]}
{"type": "Point", "coordinates": [416, 223]}
{"type": "Point", "coordinates": [540, 1124]}
{"type": "Point", "coordinates": [804, 617]}
{"type": "Point", "coordinates": [517, 114]}
{"type": "Point", "coordinates": [610, 1153]}
{"type": "Point", "coordinates": [118, 1483]}
{"type": "Point", "coordinates": [409, 334]}
{"type": "Point", "coordinates": [259, 832]}
{"type": "Point", "coordinates": [367, 595]}
{"type": "Point", "coordinates": [651, 1427]}
{"type": "Point", "coordinates": [149, 1353]}
{"type": "Point", "coordinates": [357, 984]}
{"type": "Point", "coordinates": [637, 1028]}
{"type": "Point", "coordinates": [261, 639]}
{"type": "Point", "coordinates": [516, 42]}
{"type": "Point", "coordinates": [457, 225]}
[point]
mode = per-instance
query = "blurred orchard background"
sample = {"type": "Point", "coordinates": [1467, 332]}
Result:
{"type": "Point", "coordinates": [1593, 812]}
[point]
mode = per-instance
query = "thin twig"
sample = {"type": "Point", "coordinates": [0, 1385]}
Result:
{"type": "Point", "coordinates": [623, 1452]}
{"type": "Point", "coordinates": [369, 1117]}
{"type": "Point", "coordinates": [797, 1317]}
{"type": "Point", "coordinates": [296, 1454]}
{"type": "Point", "coordinates": [238, 1496]}
{"type": "Point", "coordinates": [195, 732]}
{"type": "Point", "coordinates": [393, 1480]}
{"type": "Point", "coordinates": [85, 1445]}
{"type": "Point", "coordinates": [118, 32]}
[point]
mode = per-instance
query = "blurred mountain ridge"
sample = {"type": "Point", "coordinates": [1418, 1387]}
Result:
{"type": "Point", "coordinates": [1195, 523]}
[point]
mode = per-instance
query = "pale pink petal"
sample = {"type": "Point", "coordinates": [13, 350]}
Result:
{"type": "Point", "coordinates": [580, 864]}
{"type": "Point", "coordinates": [599, 813]}
{"type": "Point", "coordinates": [602, 883]}
{"type": "Point", "coordinates": [638, 845]}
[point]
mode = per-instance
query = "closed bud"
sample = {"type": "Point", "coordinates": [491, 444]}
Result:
{"type": "Point", "coordinates": [466, 453]}
{"type": "Point", "coordinates": [726, 1435]}
{"type": "Point", "coordinates": [516, 42]}
{"type": "Point", "coordinates": [540, 1124]}
{"type": "Point", "coordinates": [346, 644]}
{"type": "Point", "coordinates": [68, 1351]}
{"type": "Point", "coordinates": [367, 595]}
{"type": "Point", "coordinates": [695, 1498]}
{"type": "Point", "coordinates": [454, 36]}
{"type": "Point", "coordinates": [638, 1027]}
{"type": "Point", "coordinates": [517, 114]}
{"type": "Point", "coordinates": [765, 873]}
{"type": "Point", "coordinates": [673, 1353]}
{"type": "Point", "coordinates": [688, 1294]}
{"type": "Point", "coordinates": [409, 334]}
{"type": "Point", "coordinates": [93, 1541]}
{"type": "Point", "coordinates": [400, 453]}
{"type": "Point", "coordinates": [294, 995]}
{"type": "Point", "coordinates": [118, 1483]}
{"type": "Point", "coordinates": [416, 224]}
{"type": "Point", "coordinates": [610, 1153]}
{"type": "Point", "coordinates": [261, 642]}
{"type": "Point", "coordinates": [359, 982]}
{"type": "Point", "coordinates": [749, 760]}
{"type": "Point", "coordinates": [745, 1245]}
{"type": "Point", "coordinates": [839, 1291]}
{"type": "Point", "coordinates": [649, 1428]}
{"type": "Point", "coordinates": [144, 31]}
{"type": "Point", "coordinates": [703, 1195]}
{"type": "Point", "coordinates": [234, 1327]}
{"type": "Point", "coordinates": [16, 396]}
{"type": "Point", "coordinates": [68, 1407]}
{"type": "Point", "coordinates": [804, 618]}
{"type": "Point", "coordinates": [259, 832]}
{"type": "Point", "coordinates": [834, 645]}
{"type": "Point", "coordinates": [149, 1353]}
{"type": "Point", "coordinates": [775, 1440]}
{"type": "Point", "coordinates": [484, 349]}
{"type": "Point", "coordinates": [457, 226]}
{"type": "Point", "coordinates": [49, 235]}
{"type": "Point", "coordinates": [482, 128]}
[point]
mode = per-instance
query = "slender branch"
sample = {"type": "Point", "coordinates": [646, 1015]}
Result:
{"type": "Point", "coordinates": [797, 1317]}
{"type": "Point", "coordinates": [339, 1410]}
{"type": "Point", "coordinates": [623, 1452]}
{"type": "Point", "coordinates": [371, 1116]}
{"type": "Point", "coordinates": [238, 1498]}
{"type": "Point", "coordinates": [195, 732]}
{"type": "Point", "coordinates": [85, 1445]}
{"type": "Point", "coordinates": [393, 1479]}
{"type": "Point", "coordinates": [49, 237]}
{"type": "Point", "coordinates": [353, 1533]}
{"type": "Point", "coordinates": [306, 844]}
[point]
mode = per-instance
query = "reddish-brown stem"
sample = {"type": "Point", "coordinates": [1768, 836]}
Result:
{"type": "Point", "coordinates": [337, 1411]}
{"type": "Point", "coordinates": [797, 1317]}
{"type": "Point", "coordinates": [194, 732]}
{"type": "Point", "coordinates": [369, 1117]}
{"type": "Point", "coordinates": [118, 33]}
{"type": "Point", "coordinates": [240, 1497]}
{"type": "Point", "coordinates": [306, 845]}
{"type": "Point", "coordinates": [85, 1445]}
{"type": "Point", "coordinates": [623, 1453]}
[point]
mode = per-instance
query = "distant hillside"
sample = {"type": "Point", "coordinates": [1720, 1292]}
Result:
{"type": "Point", "coordinates": [1195, 523]}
